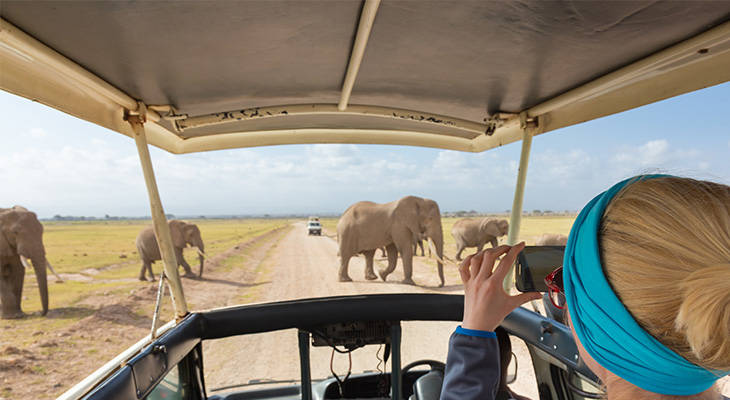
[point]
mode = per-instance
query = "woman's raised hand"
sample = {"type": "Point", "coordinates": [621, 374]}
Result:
{"type": "Point", "coordinates": [485, 301]}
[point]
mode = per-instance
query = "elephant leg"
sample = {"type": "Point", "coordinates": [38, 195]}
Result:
{"type": "Point", "coordinates": [146, 266]}
{"type": "Point", "coordinates": [11, 290]}
{"type": "Point", "coordinates": [181, 261]}
{"type": "Point", "coordinates": [407, 258]}
{"type": "Point", "coordinates": [480, 247]}
{"type": "Point", "coordinates": [459, 249]}
{"type": "Point", "coordinates": [369, 273]}
{"type": "Point", "coordinates": [344, 261]}
{"type": "Point", "coordinates": [392, 260]}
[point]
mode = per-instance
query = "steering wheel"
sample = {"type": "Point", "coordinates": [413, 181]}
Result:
{"type": "Point", "coordinates": [435, 365]}
{"type": "Point", "coordinates": [428, 386]}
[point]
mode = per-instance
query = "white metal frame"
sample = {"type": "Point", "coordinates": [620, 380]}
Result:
{"type": "Point", "coordinates": [529, 129]}
{"type": "Point", "coordinates": [361, 41]}
{"type": "Point", "coordinates": [466, 128]}
{"type": "Point", "coordinates": [159, 221]}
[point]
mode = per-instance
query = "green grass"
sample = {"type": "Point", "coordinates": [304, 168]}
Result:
{"type": "Point", "coordinates": [72, 247]}
{"type": "Point", "coordinates": [92, 249]}
{"type": "Point", "coordinates": [329, 224]}
{"type": "Point", "coordinates": [532, 227]}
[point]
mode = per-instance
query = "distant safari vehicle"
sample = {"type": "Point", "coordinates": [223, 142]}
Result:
{"type": "Point", "coordinates": [459, 75]}
{"type": "Point", "coordinates": [314, 228]}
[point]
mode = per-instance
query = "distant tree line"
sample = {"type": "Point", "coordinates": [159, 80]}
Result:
{"type": "Point", "coordinates": [475, 214]}
{"type": "Point", "coordinates": [108, 217]}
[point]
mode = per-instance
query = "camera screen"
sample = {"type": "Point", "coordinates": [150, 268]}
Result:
{"type": "Point", "coordinates": [534, 263]}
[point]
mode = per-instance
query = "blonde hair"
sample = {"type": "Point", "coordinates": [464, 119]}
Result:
{"type": "Point", "coordinates": [665, 250]}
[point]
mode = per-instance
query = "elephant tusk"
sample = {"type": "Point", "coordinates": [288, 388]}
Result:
{"type": "Point", "coordinates": [202, 253]}
{"type": "Point", "coordinates": [434, 253]}
{"type": "Point", "coordinates": [24, 260]}
{"type": "Point", "coordinates": [60, 280]}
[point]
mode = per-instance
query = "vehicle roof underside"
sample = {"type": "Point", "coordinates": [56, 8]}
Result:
{"type": "Point", "coordinates": [438, 74]}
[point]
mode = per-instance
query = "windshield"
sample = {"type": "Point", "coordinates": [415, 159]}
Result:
{"type": "Point", "coordinates": [271, 257]}
{"type": "Point", "coordinates": [264, 258]}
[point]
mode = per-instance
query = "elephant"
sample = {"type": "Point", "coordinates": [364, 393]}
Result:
{"type": "Point", "coordinates": [366, 226]}
{"type": "Point", "coordinates": [183, 234]}
{"type": "Point", "coordinates": [474, 233]}
{"type": "Point", "coordinates": [21, 238]}
{"type": "Point", "coordinates": [417, 242]}
{"type": "Point", "coordinates": [551, 239]}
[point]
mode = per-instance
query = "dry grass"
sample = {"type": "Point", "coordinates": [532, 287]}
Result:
{"type": "Point", "coordinates": [100, 257]}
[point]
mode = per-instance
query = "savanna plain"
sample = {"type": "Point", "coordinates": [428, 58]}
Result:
{"type": "Point", "coordinates": [101, 307]}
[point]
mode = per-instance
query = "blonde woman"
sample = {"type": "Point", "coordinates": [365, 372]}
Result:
{"type": "Point", "coordinates": [646, 277]}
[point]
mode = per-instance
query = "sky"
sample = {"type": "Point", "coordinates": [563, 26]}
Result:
{"type": "Point", "coordinates": [55, 164]}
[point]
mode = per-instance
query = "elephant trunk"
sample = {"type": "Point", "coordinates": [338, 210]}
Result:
{"type": "Point", "coordinates": [39, 266]}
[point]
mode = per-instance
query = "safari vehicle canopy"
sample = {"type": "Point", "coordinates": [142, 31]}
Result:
{"type": "Point", "coordinates": [469, 76]}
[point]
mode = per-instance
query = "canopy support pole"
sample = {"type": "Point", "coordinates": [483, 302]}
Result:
{"type": "Point", "coordinates": [515, 220]}
{"type": "Point", "coordinates": [159, 221]}
{"type": "Point", "coordinates": [358, 49]}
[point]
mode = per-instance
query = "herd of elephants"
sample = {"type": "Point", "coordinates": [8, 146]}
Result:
{"type": "Point", "coordinates": [364, 228]}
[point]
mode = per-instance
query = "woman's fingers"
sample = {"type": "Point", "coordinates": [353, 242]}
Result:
{"type": "Point", "coordinates": [522, 298]}
{"type": "Point", "coordinates": [488, 259]}
{"type": "Point", "coordinates": [475, 264]}
{"type": "Point", "coordinates": [481, 264]}
{"type": "Point", "coordinates": [464, 268]}
{"type": "Point", "coordinates": [503, 268]}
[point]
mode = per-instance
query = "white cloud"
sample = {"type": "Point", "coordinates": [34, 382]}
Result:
{"type": "Point", "coordinates": [107, 179]}
{"type": "Point", "coordinates": [70, 181]}
{"type": "Point", "coordinates": [562, 168]}
{"type": "Point", "coordinates": [656, 155]}
{"type": "Point", "coordinates": [37, 134]}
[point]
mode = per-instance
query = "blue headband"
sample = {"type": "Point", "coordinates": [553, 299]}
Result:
{"type": "Point", "coordinates": [603, 325]}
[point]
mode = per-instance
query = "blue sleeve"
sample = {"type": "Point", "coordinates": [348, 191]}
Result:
{"type": "Point", "coordinates": [472, 366]}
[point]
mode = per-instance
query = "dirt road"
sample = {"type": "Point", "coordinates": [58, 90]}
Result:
{"type": "Point", "coordinates": [306, 266]}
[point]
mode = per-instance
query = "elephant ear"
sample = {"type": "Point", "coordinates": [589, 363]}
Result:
{"type": "Point", "coordinates": [407, 212]}
{"type": "Point", "coordinates": [176, 231]}
{"type": "Point", "coordinates": [4, 226]}
{"type": "Point", "coordinates": [489, 225]}
{"type": "Point", "coordinates": [8, 219]}
{"type": "Point", "coordinates": [504, 226]}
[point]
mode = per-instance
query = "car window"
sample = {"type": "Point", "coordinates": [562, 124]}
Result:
{"type": "Point", "coordinates": [171, 387]}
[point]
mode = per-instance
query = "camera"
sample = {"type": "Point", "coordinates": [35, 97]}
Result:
{"type": "Point", "coordinates": [534, 263]}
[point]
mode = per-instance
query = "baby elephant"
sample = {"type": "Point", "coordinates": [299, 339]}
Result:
{"type": "Point", "coordinates": [551, 239]}
{"type": "Point", "coordinates": [182, 233]}
{"type": "Point", "coordinates": [476, 233]}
